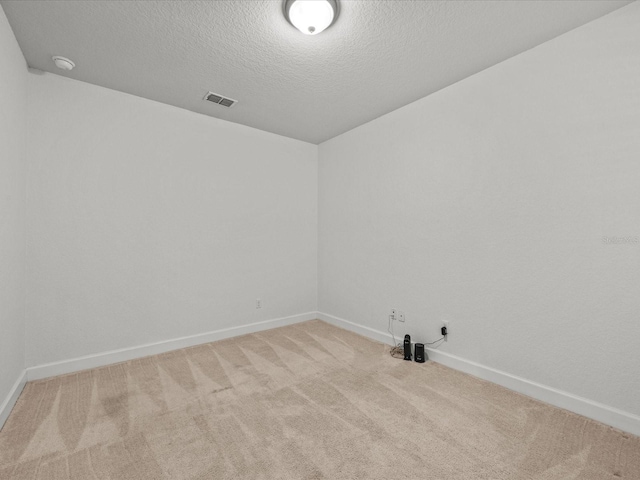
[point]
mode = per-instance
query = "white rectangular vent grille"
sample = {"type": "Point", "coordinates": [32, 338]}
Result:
{"type": "Point", "coordinates": [220, 100]}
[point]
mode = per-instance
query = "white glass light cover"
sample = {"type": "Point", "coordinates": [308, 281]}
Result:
{"type": "Point", "coordinates": [311, 16]}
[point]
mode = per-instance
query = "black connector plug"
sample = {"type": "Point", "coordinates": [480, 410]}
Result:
{"type": "Point", "coordinates": [443, 331]}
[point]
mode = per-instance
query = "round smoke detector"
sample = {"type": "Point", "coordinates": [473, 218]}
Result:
{"type": "Point", "coordinates": [63, 63]}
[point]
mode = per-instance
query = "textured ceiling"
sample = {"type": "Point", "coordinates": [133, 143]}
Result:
{"type": "Point", "coordinates": [380, 55]}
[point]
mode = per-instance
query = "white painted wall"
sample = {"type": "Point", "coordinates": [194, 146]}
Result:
{"type": "Point", "coordinates": [486, 204]}
{"type": "Point", "coordinates": [147, 222]}
{"type": "Point", "coordinates": [13, 101]}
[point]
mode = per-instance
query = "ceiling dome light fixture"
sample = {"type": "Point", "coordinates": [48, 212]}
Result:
{"type": "Point", "coordinates": [311, 16]}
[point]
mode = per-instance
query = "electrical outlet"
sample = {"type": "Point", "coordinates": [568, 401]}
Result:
{"type": "Point", "coordinates": [393, 314]}
{"type": "Point", "coordinates": [445, 324]}
{"type": "Point", "coordinates": [401, 316]}
{"type": "Point", "coordinates": [258, 303]}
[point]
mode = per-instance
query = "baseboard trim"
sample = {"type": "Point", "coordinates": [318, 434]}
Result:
{"type": "Point", "coordinates": [122, 355]}
{"type": "Point", "coordinates": [614, 417]}
{"type": "Point", "coordinates": [383, 337]}
{"type": "Point", "coordinates": [12, 398]}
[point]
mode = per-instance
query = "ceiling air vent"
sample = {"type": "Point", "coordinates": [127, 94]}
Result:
{"type": "Point", "coordinates": [220, 100]}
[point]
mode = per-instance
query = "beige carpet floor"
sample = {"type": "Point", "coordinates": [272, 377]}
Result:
{"type": "Point", "coordinates": [309, 401]}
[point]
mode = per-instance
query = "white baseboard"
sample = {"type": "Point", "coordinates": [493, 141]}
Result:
{"type": "Point", "coordinates": [125, 354]}
{"type": "Point", "coordinates": [383, 337]}
{"type": "Point", "coordinates": [12, 398]}
{"type": "Point", "coordinates": [597, 411]}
